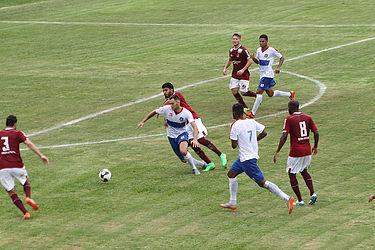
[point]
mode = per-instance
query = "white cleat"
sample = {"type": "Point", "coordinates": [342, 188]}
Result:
{"type": "Point", "coordinates": [299, 203]}
{"type": "Point", "coordinates": [314, 197]}
{"type": "Point", "coordinates": [196, 172]}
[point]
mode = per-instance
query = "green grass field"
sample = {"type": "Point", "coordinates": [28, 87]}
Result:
{"type": "Point", "coordinates": [51, 74]}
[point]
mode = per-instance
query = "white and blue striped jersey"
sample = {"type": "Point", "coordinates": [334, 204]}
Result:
{"type": "Point", "coordinates": [176, 121]}
{"type": "Point", "coordinates": [266, 59]}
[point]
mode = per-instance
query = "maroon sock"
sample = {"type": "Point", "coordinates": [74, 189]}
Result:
{"type": "Point", "coordinates": [210, 145]}
{"type": "Point", "coordinates": [240, 100]}
{"type": "Point", "coordinates": [18, 203]}
{"type": "Point", "coordinates": [202, 155]}
{"type": "Point", "coordinates": [27, 189]}
{"type": "Point", "coordinates": [294, 184]}
{"type": "Point", "coordinates": [250, 93]}
{"type": "Point", "coordinates": [308, 181]}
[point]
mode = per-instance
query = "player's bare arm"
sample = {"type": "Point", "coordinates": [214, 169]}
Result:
{"type": "Point", "coordinates": [194, 142]}
{"type": "Point", "coordinates": [36, 151]}
{"type": "Point", "coordinates": [234, 143]}
{"type": "Point", "coordinates": [316, 140]}
{"type": "Point", "coordinates": [277, 70]}
{"type": "Point", "coordinates": [281, 144]}
{"type": "Point", "coordinates": [371, 197]}
{"type": "Point", "coordinates": [252, 56]}
{"type": "Point", "coordinates": [148, 116]}
{"type": "Point", "coordinates": [248, 63]}
{"type": "Point", "coordinates": [228, 63]}
{"type": "Point", "coordinates": [262, 135]}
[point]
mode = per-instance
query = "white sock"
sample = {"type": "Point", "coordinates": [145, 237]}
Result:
{"type": "Point", "coordinates": [257, 102]}
{"type": "Point", "coordinates": [277, 93]}
{"type": "Point", "coordinates": [199, 163]}
{"type": "Point", "coordinates": [273, 188]}
{"type": "Point", "coordinates": [233, 185]}
{"type": "Point", "coordinates": [190, 160]}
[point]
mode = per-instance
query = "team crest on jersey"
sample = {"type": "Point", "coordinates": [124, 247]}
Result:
{"type": "Point", "coordinates": [265, 55]}
{"type": "Point", "coordinates": [181, 118]}
{"type": "Point", "coordinates": [239, 51]}
{"type": "Point", "coordinates": [262, 85]}
{"type": "Point", "coordinates": [243, 86]}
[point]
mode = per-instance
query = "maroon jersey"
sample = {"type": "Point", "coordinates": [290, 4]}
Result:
{"type": "Point", "coordinates": [10, 140]}
{"type": "Point", "coordinates": [298, 125]}
{"type": "Point", "coordinates": [184, 104]}
{"type": "Point", "coordinates": [239, 59]}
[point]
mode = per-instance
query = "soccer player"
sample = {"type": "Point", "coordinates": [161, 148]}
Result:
{"type": "Point", "coordinates": [298, 125]}
{"type": "Point", "coordinates": [240, 57]}
{"type": "Point", "coordinates": [177, 118]}
{"type": "Point", "coordinates": [11, 165]}
{"type": "Point", "coordinates": [265, 57]}
{"type": "Point", "coordinates": [168, 90]}
{"type": "Point", "coordinates": [243, 134]}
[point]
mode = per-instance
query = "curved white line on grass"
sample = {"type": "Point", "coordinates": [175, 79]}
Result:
{"type": "Point", "coordinates": [187, 86]}
{"type": "Point", "coordinates": [194, 24]}
{"type": "Point", "coordinates": [322, 89]}
{"type": "Point", "coordinates": [23, 5]}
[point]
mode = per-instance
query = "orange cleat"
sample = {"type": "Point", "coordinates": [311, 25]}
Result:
{"type": "Point", "coordinates": [32, 203]}
{"type": "Point", "coordinates": [27, 216]}
{"type": "Point", "coordinates": [291, 97]}
{"type": "Point", "coordinates": [289, 203]}
{"type": "Point", "coordinates": [228, 205]}
{"type": "Point", "coordinates": [248, 112]}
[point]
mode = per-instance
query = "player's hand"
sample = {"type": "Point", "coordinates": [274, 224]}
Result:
{"type": "Point", "coordinates": [371, 197]}
{"type": "Point", "coordinates": [240, 72]}
{"type": "Point", "coordinates": [224, 71]}
{"type": "Point", "coordinates": [166, 124]}
{"type": "Point", "coordinates": [252, 56]}
{"type": "Point", "coordinates": [277, 70]}
{"type": "Point", "coordinates": [44, 159]}
{"type": "Point", "coordinates": [275, 157]}
{"type": "Point", "coordinates": [194, 144]}
{"type": "Point", "coordinates": [315, 151]}
{"type": "Point", "coordinates": [140, 125]}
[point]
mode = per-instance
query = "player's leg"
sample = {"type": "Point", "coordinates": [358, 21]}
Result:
{"type": "Point", "coordinates": [21, 175]}
{"type": "Point", "coordinates": [276, 93]}
{"type": "Point", "coordinates": [198, 150]}
{"type": "Point", "coordinates": [174, 145]}
{"type": "Point", "coordinates": [233, 185]}
{"type": "Point", "coordinates": [294, 184]}
{"type": "Point", "coordinates": [183, 147]}
{"type": "Point", "coordinates": [305, 163]}
{"type": "Point", "coordinates": [17, 201]}
{"type": "Point", "coordinates": [294, 165]}
{"type": "Point", "coordinates": [234, 86]}
{"type": "Point", "coordinates": [261, 88]}
{"type": "Point", "coordinates": [244, 88]}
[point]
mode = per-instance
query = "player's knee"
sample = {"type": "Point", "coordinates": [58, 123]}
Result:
{"type": "Point", "coordinates": [234, 91]}
{"type": "Point", "coordinates": [183, 151]}
{"type": "Point", "coordinates": [231, 174]}
{"type": "Point", "coordinates": [183, 160]}
{"type": "Point", "coordinates": [270, 94]}
{"type": "Point", "coordinates": [12, 192]}
{"type": "Point", "coordinates": [261, 183]}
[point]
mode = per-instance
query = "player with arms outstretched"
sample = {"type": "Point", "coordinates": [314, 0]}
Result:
{"type": "Point", "coordinates": [240, 58]}
{"type": "Point", "coordinates": [243, 134]}
{"type": "Point", "coordinates": [168, 90]}
{"type": "Point", "coordinates": [265, 57]}
{"type": "Point", "coordinates": [11, 165]}
{"type": "Point", "coordinates": [299, 125]}
{"type": "Point", "coordinates": [177, 118]}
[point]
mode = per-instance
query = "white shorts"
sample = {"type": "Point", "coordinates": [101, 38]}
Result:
{"type": "Point", "coordinates": [7, 176]}
{"type": "Point", "coordinates": [298, 164]}
{"type": "Point", "coordinates": [243, 85]}
{"type": "Point", "coordinates": [201, 129]}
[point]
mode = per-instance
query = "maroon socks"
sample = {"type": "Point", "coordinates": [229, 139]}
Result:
{"type": "Point", "coordinates": [18, 203]}
{"type": "Point", "coordinates": [210, 145]}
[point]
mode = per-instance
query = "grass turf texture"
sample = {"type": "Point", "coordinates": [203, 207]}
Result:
{"type": "Point", "coordinates": [51, 74]}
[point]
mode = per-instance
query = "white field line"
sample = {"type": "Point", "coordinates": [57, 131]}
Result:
{"type": "Point", "coordinates": [192, 24]}
{"type": "Point", "coordinates": [187, 86]}
{"type": "Point", "coordinates": [322, 89]}
{"type": "Point", "coordinates": [23, 5]}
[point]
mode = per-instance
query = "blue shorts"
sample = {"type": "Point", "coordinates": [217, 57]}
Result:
{"type": "Point", "coordinates": [266, 83]}
{"type": "Point", "coordinates": [175, 144]}
{"type": "Point", "coordinates": [250, 167]}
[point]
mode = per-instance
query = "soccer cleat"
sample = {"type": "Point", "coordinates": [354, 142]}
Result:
{"type": "Point", "coordinates": [223, 158]}
{"type": "Point", "coordinates": [229, 206]}
{"type": "Point", "coordinates": [248, 112]}
{"type": "Point", "coordinates": [314, 197]}
{"type": "Point", "coordinates": [289, 204]}
{"type": "Point", "coordinates": [27, 216]}
{"type": "Point", "coordinates": [299, 203]}
{"type": "Point", "coordinates": [291, 97]}
{"type": "Point", "coordinates": [210, 166]}
{"type": "Point", "coordinates": [196, 171]}
{"type": "Point", "coordinates": [32, 203]}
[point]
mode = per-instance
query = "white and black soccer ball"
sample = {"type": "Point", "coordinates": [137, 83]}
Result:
{"type": "Point", "coordinates": [105, 175]}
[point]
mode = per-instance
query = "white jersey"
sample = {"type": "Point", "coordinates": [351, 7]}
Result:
{"type": "Point", "coordinates": [176, 121]}
{"type": "Point", "coordinates": [266, 59]}
{"type": "Point", "coordinates": [244, 131]}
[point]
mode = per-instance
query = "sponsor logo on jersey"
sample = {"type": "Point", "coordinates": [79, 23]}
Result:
{"type": "Point", "coordinates": [266, 55]}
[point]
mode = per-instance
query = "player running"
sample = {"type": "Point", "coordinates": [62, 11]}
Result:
{"type": "Point", "coordinates": [298, 125]}
{"type": "Point", "coordinates": [177, 118]}
{"type": "Point", "coordinates": [265, 57]}
{"type": "Point", "coordinates": [243, 133]}
{"type": "Point", "coordinates": [240, 57]}
{"type": "Point", "coordinates": [11, 165]}
{"type": "Point", "coordinates": [168, 91]}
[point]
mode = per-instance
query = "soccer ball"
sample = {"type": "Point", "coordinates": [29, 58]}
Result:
{"type": "Point", "coordinates": [105, 175]}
